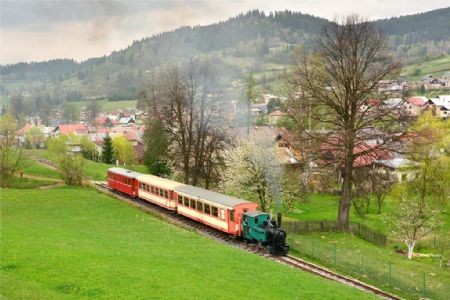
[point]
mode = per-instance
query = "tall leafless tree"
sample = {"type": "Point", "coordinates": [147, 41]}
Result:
{"type": "Point", "coordinates": [331, 92]}
{"type": "Point", "coordinates": [186, 101]}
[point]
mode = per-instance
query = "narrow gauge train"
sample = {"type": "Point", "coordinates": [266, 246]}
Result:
{"type": "Point", "coordinates": [234, 216]}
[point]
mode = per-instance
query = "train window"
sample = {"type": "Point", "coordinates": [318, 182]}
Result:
{"type": "Point", "coordinates": [166, 195]}
{"type": "Point", "coordinates": [140, 185]}
{"type": "Point", "coordinates": [171, 195]}
{"type": "Point", "coordinates": [222, 214]}
{"type": "Point", "coordinates": [161, 192]}
{"type": "Point", "coordinates": [180, 199]}
{"type": "Point", "coordinates": [153, 189]}
{"type": "Point", "coordinates": [207, 209]}
{"type": "Point", "coordinates": [193, 204]}
{"type": "Point", "coordinates": [199, 206]}
{"type": "Point", "coordinates": [147, 188]}
{"type": "Point", "coordinates": [232, 216]}
{"type": "Point", "coordinates": [214, 211]}
{"type": "Point", "coordinates": [156, 191]}
{"type": "Point", "coordinates": [256, 220]}
{"type": "Point", "coordinates": [186, 201]}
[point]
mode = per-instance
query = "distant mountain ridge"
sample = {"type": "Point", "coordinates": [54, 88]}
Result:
{"type": "Point", "coordinates": [250, 41]}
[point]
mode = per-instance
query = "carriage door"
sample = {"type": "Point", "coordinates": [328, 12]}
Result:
{"type": "Point", "coordinates": [133, 186]}
{"type": "Point", "coordinates": [231, 222]}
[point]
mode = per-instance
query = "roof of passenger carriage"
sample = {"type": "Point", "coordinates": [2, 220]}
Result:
{"type": "Point", "coordinates": [203, 194]}
{"type": "Point", "coordinates": [159, 182]}
{"type": "Point", "coordinates": [125, 172]}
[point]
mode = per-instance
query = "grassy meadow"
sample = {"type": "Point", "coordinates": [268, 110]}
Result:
{"type": "Point", "coordinates": [76, 243]}
{"type": "Point", "coordinates": [435, 67]}
{"type": "Point", "coordinates": [360, 259]}
{"type": "Point", "coordinates": [95, 170]}
{"type": "Point", "coordinates": [108, 106]}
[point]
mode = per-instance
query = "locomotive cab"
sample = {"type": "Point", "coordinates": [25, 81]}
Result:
{"type": "Point", "coordinates": [258, 227]}
{"type": "Point", "coordinates": [253, 228]}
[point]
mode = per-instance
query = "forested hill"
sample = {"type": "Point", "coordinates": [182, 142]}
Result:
{"type": "Point", "coordinates": [253, 41]}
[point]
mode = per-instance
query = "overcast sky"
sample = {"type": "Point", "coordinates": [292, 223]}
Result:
{"type": "Point", "coordinates": [35, 30]}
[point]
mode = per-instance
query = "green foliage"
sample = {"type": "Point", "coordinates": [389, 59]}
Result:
{"type": "Point", "coordinates": [379, 266]}
{"type": "Point", "coordinates": [88, 148]}
{"type": "Point", "coordinates": [10, 152]}
{"type": "Point", "coordinates": [71, 165]}
{"type": "Point", "coordinates": [275, 104]}
{"type": "Point", "coordinates": [107, 150]}
{"type": "Point", "coordinates": [156, 148]}
{"type": "Point", "coordinates": [73, 243]}
{"type": "Point", "coordinates": [71, 112]}
{"type": "Point", "coordinates": [123, 150]}
{"type": "Point", "coordinates": [35, 137]}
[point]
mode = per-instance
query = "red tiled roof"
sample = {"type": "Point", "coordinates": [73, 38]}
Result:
{"type": "Point", "coordinates": [277, 113]}
{"type": "Point", "coordinates": [373, 102]}
{"type": "Point", "coordinates": [72, 128]}
{"type": "Point", "coordinates": [24, 129]}
{"type": "Point", "coordinates": [418, 101]}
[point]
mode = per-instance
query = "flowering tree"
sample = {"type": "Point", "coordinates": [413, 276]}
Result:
{"type": "Point", "coordinates": [412, 221]}
{"type": "Point", "coordinates": [253, 165]}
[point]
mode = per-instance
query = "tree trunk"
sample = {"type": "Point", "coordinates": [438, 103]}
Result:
{"type": "Point", "coordinates": [410, 248]}
{"type": "Point", "coordinates": [346, 197]}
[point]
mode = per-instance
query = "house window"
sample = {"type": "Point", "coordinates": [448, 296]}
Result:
{"type": "Point", "coordinates": [186, 201]}
{"type": "Point", "coordinates": [199, 206]}
{"type": "Point", "coordinates": [215, 211]}
{"type": "Point", "coordinates": [180, 199]}
{"type": "Point", "coordinates": [207, 209]}
{"type": "Point", "coordinates": [192, 204]}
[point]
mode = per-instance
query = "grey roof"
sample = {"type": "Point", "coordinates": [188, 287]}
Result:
{"type": "Point", "coordinates": [254, 213]}
{"type": "Point", "coordinates": [125, 172]}
{"type": "Point", "coordinates": [395, 163]}
{"type": "Point", "coordinates": [203, 194]}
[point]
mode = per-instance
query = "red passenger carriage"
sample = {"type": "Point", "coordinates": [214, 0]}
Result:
{"type": "Point", "coordinates": [124, 180]}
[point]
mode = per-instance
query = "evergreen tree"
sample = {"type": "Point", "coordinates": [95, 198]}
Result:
{"type": "Point", "coordinates": [156, 145]}
{"type": "Point", "coordinates": [107, 151]}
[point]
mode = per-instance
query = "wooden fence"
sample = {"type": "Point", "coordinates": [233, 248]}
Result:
{"type": "Point", "coordinates": [361, 231]}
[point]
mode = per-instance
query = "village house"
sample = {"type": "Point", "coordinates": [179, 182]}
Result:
{"type": "Point", "coordinates": [399, 168]}
{"type": "Point", "coordinates": [431, 83]}
{"type": "Point", "coordinates": [439, 106]}
{"type": "Point", "coordinates": [77, 129]}
{"type": "Point", "coordinates": [415, 105]}
{"type": "Point", "coordinates": [275, 116]}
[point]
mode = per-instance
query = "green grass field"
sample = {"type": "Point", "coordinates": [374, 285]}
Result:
{"type": "Point", "coordinates": [95, 170]}
{"type": "Point", "coordinates": [34, 168]}
{"type": "Point", "coordinates": [108, 106]}
{"type": "Point", "coordinates": [369, 263]}
{"type": "Point", "coordinates": [435, 67]}
{"type": "Point", "coordinates": [75, 243]}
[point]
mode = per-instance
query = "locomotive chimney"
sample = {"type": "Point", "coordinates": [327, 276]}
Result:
{"type": "Point", "coordinates": [279, 219]}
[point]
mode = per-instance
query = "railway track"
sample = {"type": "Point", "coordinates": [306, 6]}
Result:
{"type": "Point", "coordinates": [217, 235]}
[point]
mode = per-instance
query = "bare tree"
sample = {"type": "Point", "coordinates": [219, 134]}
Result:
{"type": "Point", "coordinates": [93, 109]}
{"type": "Point", "coordinates": [330, 100]}
{"type": "Point", "coordinates": [186, 101]}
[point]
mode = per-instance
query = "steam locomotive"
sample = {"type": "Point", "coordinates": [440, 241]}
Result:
{"type": "Point", "coordinates": [231, 215]}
